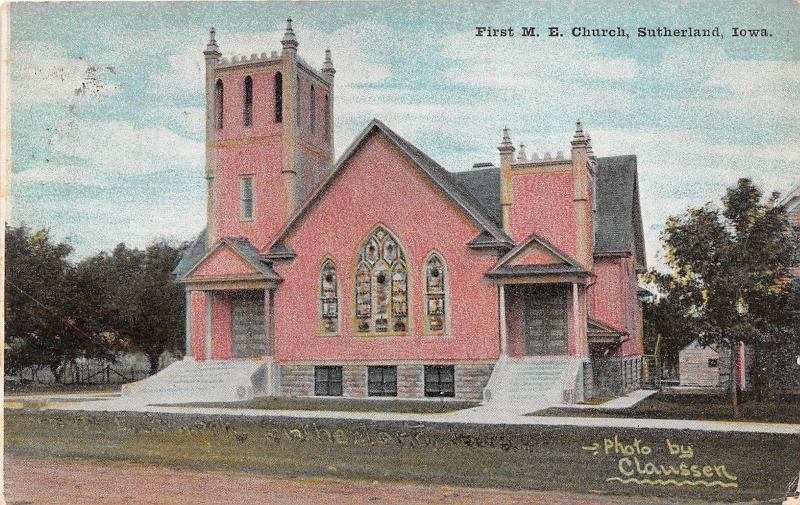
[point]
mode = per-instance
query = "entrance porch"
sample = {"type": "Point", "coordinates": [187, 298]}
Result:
{"type": "Point", "coordinates": [229, 331]}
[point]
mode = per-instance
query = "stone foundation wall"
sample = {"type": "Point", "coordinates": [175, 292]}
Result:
{"type": "Point", "coordinates": [297, 380]}
{"type": "Point", "coordinates": [470, 379]}
{"type": "Point", "coordinates": [410, 381]}
{"type": "Point", "coordinates": [354, 380]}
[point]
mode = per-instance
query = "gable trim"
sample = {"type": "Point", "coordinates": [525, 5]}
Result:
{"type": "Point", "coordinates": [535, 238]}
{"type": "Point", "coordinates": [376, 126]}
{"type": "Point", "coordinates": [259, 271]}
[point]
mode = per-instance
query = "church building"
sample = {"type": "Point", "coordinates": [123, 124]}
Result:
{"type": "Point", "coordinates": [382, 274]}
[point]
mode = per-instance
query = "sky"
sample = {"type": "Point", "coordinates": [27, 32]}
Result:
{"type": "Point", "coordinates": [107, 98]}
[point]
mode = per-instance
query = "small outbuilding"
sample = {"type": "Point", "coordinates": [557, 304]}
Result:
{"type": "Point", "coordinates": [708, 366]}
{"type": "Point", "coordinates": [699, 365]}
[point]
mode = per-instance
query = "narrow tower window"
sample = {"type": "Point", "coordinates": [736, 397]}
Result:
{"type": "Point", "coordinates": [278, 98]}
{"type": "Point", "coordinates": [327, 118]}
{"type": "Point", "coordinates": [218, 103]}
{"type": "Point", "coordinates": [246, 198]}
{"type": "Point", "coordinates": [313, 105]}
{"type": "Point", "coordinates": [298, 111]}
{"type": "Point", "coordinates": [248, 101]}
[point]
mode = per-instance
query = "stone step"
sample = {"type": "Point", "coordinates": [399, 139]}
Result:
{"type": "Point", "coordinates": [187, 381]}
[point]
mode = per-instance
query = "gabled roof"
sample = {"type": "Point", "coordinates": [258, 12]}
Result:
{"type": "Point", "coordinates": [791, 200]}
{"type": "Point", "coordinates": [280, 251]}
{"type": "Point", "coordinates": [243, 249]}
{"type": "Point", "coordinates": [565, 263]}
{"type": "Point", "coordinates": [596, 327]}
{"type": "Point", "coordinates": [440, 177]}
{"type": "Point", "coordinates": [192, 256]}
{"type": "Point", "coordinates": [619, 216]}
{"type": "Point", "coordinates": [484, 185]}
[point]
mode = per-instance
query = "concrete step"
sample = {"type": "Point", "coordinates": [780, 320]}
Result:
{"type": "Point", "coordinates": [212, 381]}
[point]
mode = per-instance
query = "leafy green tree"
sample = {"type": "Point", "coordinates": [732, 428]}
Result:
{"type": "Point", "coordinates": [143, 304]}
{"type": "Point", "coordinates": [667, 330]}
{"type": "Point", "coordinates": [729, 271]}
{"type": "Point", "coordinates": [51, 317]}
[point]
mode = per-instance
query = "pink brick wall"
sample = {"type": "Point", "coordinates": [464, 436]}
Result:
{"type": "Point", "coordinates": [543, 204]}
{"type": "Point", "coordinates": [613, 299]}
{"type": "Point", "coordinates": [263, 107]}
{"type": "Point", "coordinates": [317, 137]}
{"type": "Point", "coordinates": [221, 327]}
{"type": "Point", "coordinates": [263, 161]}
{"type": "Point", "coordinates": [379, 186]}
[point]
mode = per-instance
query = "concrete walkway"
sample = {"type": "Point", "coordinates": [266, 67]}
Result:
{"type": "Point", "coordinates": [621, 402]}
{"type": "Point", "coordinates": [477, 415]}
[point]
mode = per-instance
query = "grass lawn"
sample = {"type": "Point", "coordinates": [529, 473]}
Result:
{"type": "Point", "coordinates": [345, 404]}
{"type": "Point", "coordinates": [570, 459]}
{"type": "Point", "coordinates": [701, 407]}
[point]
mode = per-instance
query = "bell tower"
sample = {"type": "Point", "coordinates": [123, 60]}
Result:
{"type": "Point", "coordinates": [269, 137]}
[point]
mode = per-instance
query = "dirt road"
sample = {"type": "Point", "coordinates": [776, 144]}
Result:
{"type": "Point", "coordinates": [45, 481]}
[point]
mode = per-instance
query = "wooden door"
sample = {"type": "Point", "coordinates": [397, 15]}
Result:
{"type": "Point", "coordinates": [545, 320]}
{"type": "Point", "coordinates": [249, 335]}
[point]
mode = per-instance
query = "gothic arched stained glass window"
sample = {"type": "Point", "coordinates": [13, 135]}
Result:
{"type": "Point", "coordinates": [329, 297]}
{"type": "Point", "coordinates": [381, 285]}
{"type": "Point", "coordinates": [435, 315]}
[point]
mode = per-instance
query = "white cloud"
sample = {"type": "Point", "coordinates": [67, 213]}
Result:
{"type": "Point", "coordinates": [186, 68]}
{"type": "Point", "coordinates": [63, 174]}
{"type": "Point", "coordinates": [189, 120]}
{"type": "Point", "coordinates": [118, 148]}
{"type": "Point", "coordinates": [42, 74]}
{"type": "Point", "coordinates": [528, 64]}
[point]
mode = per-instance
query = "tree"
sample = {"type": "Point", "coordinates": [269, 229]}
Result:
{"type": "Point", "coordinates": [729, 272]}
{"type": "Point", "coordinates": [666, 328]}
{"type": "Point", "coordinates": [50, 312]}
{"type": "Point", "coordinates": [144, 306]}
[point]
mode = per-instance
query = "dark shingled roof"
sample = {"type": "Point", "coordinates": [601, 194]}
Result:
{"type": "Point", "coordinates": [191, 256]}
{"type": "Point", "coordinates": [484, 185]}
{"type": "Point", "coordinates": [618, 213]}
{"type": "Point", "coordinates": [619, 218]}
{"type": "Point", "coordinates": [252, 255]}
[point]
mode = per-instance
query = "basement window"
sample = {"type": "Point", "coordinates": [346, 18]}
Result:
{"type": "Point", "coordinates": [382, 381]}
{"type": "Point", "coordinates": [440, 381]}
{"type": "Point", "coordinates": [328, 381]}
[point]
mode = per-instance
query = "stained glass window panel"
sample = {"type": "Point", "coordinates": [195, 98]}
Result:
{"type": "Point", "coordinates": [329, 299]}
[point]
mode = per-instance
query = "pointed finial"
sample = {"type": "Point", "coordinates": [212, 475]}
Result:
{"type": "Point", "coordinates": [289, 41]}
{"type": "Point", "coordinates": [522, 156]}
{"type": "Point", "coordinates": [506, 146]}
{"type": "Point", "coordinates": [212, 49]}
{"type": "Point", "coordinates": [589, 149]}
{"type": "Point", "coordinates": [579, 139]}
{"type": "Point", "coordinates": [327, 66]}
